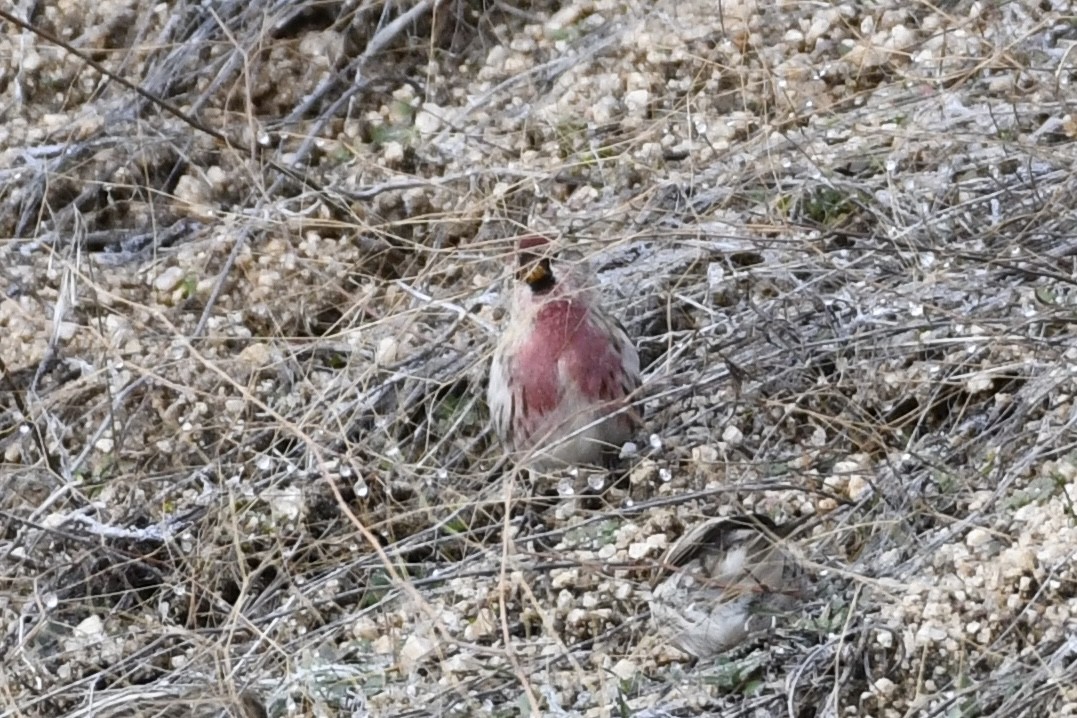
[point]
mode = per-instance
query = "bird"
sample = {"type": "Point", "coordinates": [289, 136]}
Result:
{"type": "Point", "coordinates": [725, 580]}
{"type": "Point", "coordinates": [564, 371]}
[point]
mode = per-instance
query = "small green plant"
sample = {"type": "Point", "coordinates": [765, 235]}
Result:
{"type": "Point", "coordinates": [623, 708]}
{"type": "Point", "coordinates": [1039, 490]}
{"type": "Point", "coordinates": [738, 676]}
{"type": "Point", "coordinates": [564, 34]}
{"type": "Point", "coordinates": [336, 360]}
{"type": "Point", "coordinates": [456, 526]}
{"type": "Point", "coordinates": [399, 126]}
{"type": "Point", "coordinates": [376, 589]}
{"type": "Point", "coordinates": [828, 206]}
{"type": "Point", "coordinates": [571, 136]}
{"type": "Point", "coordinates": [189, 285]}
{"type": "Point", "coordinates": [455, 407]}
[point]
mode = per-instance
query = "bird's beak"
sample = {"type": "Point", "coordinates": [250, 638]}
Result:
{"type": "Point", "coordinates": [537, 273]}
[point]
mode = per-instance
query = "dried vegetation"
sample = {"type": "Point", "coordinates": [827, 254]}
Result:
{"type": "Point", "coordinates": [245, 465]}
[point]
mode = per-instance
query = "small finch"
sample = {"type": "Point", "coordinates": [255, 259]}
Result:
{"type": "Point", "coordinates": [723, 581]}
{"type": "Point", "coordinates": [564, 370]}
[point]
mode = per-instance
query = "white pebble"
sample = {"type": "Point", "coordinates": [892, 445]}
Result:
{"type": "Point", "coordinates": [858, 488]}
{"type": "Point", "coordinates": [91, 626]}
{"type": "Point", "coordinates": [625, 669]}
{"type": "Point", "coordinates": [820, 26]}
{"type": "Point", "coordinates": [704, 454]}
{"type": "Point", "coordinates": [901, 37]}
{"type": "Point", "coordinates": [428, 119]}
{"type": "Point", "coordinates": [883, 687]}
{"type": "Point", "coordinates": [168, 279]}
{"type": "Point", "coordinates": [636, 101]}
{"type": "Point", "coordinates": [387, 351]}
{"type": "Point", "coordinates": [393, 152]}
{"type": "Point", "coordinates": [415, 649]}
{"type": "Point", "coordinates": [977, 537]}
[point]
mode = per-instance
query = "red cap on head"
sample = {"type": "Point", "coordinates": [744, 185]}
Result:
{"type": "Point", "coordinates": [532, 242]}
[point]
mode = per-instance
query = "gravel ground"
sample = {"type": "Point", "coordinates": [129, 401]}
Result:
{"type": "Point", "coordinates": [252, 262]}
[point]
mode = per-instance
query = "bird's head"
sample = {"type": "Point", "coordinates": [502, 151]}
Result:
{"type": "Point", "coordinates": [535, 254]}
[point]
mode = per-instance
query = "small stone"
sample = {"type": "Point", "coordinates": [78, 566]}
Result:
{"type": "Point", "coordinates": [603, 111]}
{"type": "Point", "coordinates": [568, 15]}
{"type": "Point", "coordinates": [286, 503]}
{"type": "Point", "coordinates": [858, 488]}
{"type": "Point", "coordinates": [66, 330]}
{"type": "Point", "coordinates": [191, 190]}
{"type": "Point", "coordinates": [883, 687]}
{"type": "Point", "coordinates": [1017, 561]}
{"type": "Point", "coordinates": [393, 152]}
{"type": "Point", "coordinates": [979, 383]}
{"type": "Point", "coordinates": [388, 349]}
{"type": "Point", "coordinates": [255, 356]}
{"type": "Point", "coordinates": [846, 467]}
{"type": "Point", "coordinates": [89, 627]}
{"type": "Point", "coordinates": [365, 629]}
{"type": "Point", "coordinates": [583, 197]}
{"type": "Point", "coordinates": [642, 473]}
{"type": "Point", "coordinates": [217, 177]}
{"type": "Point", "coordinates": [977, 537]}
{"type": "Point", "coordinates": [414, 650]}
{"type": "Point", "coordinates": [497, 56]}
{"type": "Point", "coordinates": [704, 454]}
{"type": "Point", "coordinates": [901, 37]}
{"type": "Point", "coordinates": [428, 119]}
{"type": "Point", "coordinates": [459, 663]}
{"type": "Point", "coordinates": [929, 634]}
{"type": "Point", "coordinates": [636, 101]}
{"type": "Point", "coordinates": [625, 669]}
{"type": "Point", "coordinates": [169, 279]}
{"type": "Point", "coordinates": [568, 577]}
{"type": "Point", "coordinates": [482, 626]}
{"type": "Point", "coordinates": [836, 482]}
{"type": "Point", "coordinates": [820, 26]}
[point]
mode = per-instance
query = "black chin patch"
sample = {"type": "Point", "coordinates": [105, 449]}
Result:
{"type": "Point", "coordinates": [543, 284]}
{"type": "Point", "coordinates": [537, 272]}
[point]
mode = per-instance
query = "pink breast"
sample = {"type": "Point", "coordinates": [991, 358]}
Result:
{"type": "Point", "coordinates": [563, 335]}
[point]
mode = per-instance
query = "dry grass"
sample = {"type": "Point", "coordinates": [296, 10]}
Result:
{"type": "Point", "coordinates": [246, 464]}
